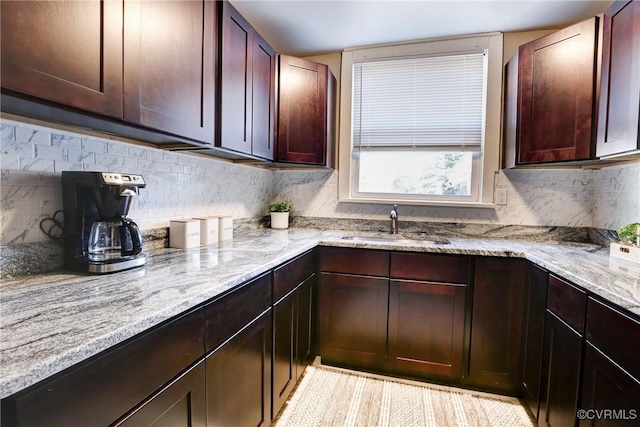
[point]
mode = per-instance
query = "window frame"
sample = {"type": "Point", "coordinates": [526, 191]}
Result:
{"type": "Point", "coordinates": [486, 163]}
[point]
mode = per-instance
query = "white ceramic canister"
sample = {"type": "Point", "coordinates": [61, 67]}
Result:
{"type": "Point", "coordinates": [208, 230]}
{"type": "Point", "coordinates": [184, 233]}
{"type": "Point", "coordinates": [225, 228]}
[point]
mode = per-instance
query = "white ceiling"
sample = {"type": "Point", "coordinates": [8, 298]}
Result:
{"type": "Point", "coordinates": [305, 27]}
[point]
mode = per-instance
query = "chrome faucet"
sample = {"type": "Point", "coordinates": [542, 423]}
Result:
{"type": "Point", "coordinates": [394, 219]}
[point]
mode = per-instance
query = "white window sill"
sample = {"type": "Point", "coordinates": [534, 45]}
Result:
{"type": "Point", "coordinates": [405, 202]}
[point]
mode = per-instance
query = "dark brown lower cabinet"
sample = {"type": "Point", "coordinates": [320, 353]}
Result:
{"type": "Point", "coordinates": [353, 320]}
{"type": "Point", "coordinates": [535, 308]}
{"type": "Point", "coordinates": [181, 403]}
{"type": "Point", "coordinates": [560, 373]}
{"type": "Point", "coordinates": [610, 395]}
{"type": "Point", "coordinates": [497, 324]}
{"type": "Point", "coordinates": [305, 324]}
{"type": "Point", "coordinates": [285, 315]}
{"type": "Point", "coordinates": [239, 377]}
{"type": "Point", "coordinates": [426, 327]}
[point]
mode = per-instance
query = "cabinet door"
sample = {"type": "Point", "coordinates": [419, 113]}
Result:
{"type": "Point", "coordinates": [556, 87]}
{"type": "Point", "coordinates": [353, 320]}
{"type": "Point", "coordinates": [496, 344]}
{"type": "Point", "coordinates": [302, 111]}
{"type": "Point", "coordinates": [236, 77]}
{"type": "Point", "coordinates": [560, 374]}
{"type": "Point", "coordinates": [285, 319]}
{"type": "Point", "coordinates": [239, 377]}
{"type": "Point", "coordinates": [69, 52]}
{"type": "Point", "coordinates": [263, 107]}
{"type": "Point", "coordinates": [180, 404]}
{"type": "Point", "coordinates": [606, 387]}
{"type": "Point", "coordinates": [169, 66]}
{"type": "Point", "coordinates": [305, 324]}
{"type": "Point", "coordinates": [426, 327]}
{"type": "Point", "coordinates": [619, 112]}
{"type": "Point", "coordinates": [536, 301]}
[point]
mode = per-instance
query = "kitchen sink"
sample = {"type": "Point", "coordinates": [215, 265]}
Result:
{"type": "Point", "coordinates": [399, 238]}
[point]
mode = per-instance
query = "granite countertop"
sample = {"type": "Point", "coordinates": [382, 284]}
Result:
{"type": "Point", "coordinates": [50, 322]}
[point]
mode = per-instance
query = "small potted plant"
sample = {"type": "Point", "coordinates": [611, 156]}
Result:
{"type": "Point", "coordinates": [280, 214]}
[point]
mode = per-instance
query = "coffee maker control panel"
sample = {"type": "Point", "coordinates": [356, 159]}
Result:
{"type": "Point", "coordinates": [122, 179]}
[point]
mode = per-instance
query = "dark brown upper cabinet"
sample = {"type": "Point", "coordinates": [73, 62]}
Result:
{"type": "Point", "coordinates": [169, 63]}
{"type": "Point", "coordinates": [246, 108]}
{"type": "Point", "coordinates": [619, 114]}
{"type": "Point", "coordinates": [551, 98]}
{"type": "Point", "coordinates": [306, 100]}
{"type": "Point", "coordinates": [65, 52]}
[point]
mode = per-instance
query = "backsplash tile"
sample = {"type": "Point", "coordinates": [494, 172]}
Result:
{"type": "Point", "coordinates": [178, 185]}
{"type": "Point", "coordinates": [550, 197]}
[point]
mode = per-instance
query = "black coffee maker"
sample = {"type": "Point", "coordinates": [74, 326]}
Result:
{"type": "Point", "coordinates": [99, 238]}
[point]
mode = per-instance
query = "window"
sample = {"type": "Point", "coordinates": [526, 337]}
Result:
{"type": "Point", "coordinates": [419, 122]}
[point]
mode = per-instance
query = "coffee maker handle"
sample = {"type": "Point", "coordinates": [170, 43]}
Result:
{"type": "Point", "coordinates": [136, 237]}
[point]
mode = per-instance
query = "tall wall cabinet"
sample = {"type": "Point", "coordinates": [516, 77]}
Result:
{"type": "Point", "coordinates": [306, 97]}
{"type": "Point", "coordinates": [247, 87]}
{"type": "Point", "coordinates": [551, 99]}
{"type": "Point", "coordinates": [619, 117]}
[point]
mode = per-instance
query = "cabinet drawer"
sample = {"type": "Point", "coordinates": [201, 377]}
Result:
{"type": "Point", "coordinates": [354, 261]}
{"type": "Point", "coordinates": [228, 314]}
{"type": "Point", "coordinates": [615, 334]}
{"type": "Point", "coordinates": [291, 274]}
{"type": "Point", "coordinates": [431, 267]}
{"type": "Point", "coordinates": [101, 390]}
{"type": "Point", "coordinates": [568, 302]}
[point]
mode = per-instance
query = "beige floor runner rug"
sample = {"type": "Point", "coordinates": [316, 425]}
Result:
{"type": "Point", "coordinates": [335, 397]}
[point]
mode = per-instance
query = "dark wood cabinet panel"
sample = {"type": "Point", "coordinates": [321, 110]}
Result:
{"type": "Point", "coordinates": [239, 377]}
{"type": "Point", "coordinates": [353, 320]}
{"type": "Point", "coordinates": [560, 373]}
{"type": "Point", "coordinates": [285, 364]}
{"type": "Point", "coordinates": [496, 344]}
{"type": "Point", "coordinates": [182, 403]}
{"type": "Point", "coordinates": [65, 52]}
{"type": "Point", "coordinates": [85, 394]}
{"type": "Point", "coordinates": [612, 331]}
{"type": "Point", "coordinates": [246, 110]}
{"type": "Point", "coordinates": [228, 314]}
{"type": "Point", "coordinates": [288, 276]}
{"type": "Point", "coordinates": [535, 308]}
{"type": "Point", "coordinates": [305, 108]}
{"type": "Point", "coordinates": [426, 328]}
{"type": "Point", "coordinates": [432, 267]}
{"type": "Point", "coordinates": [606, 387]}
{"type": "Point", "coordinates": [619, 112]}
{"type": "Point", "coordinates": [568, 302]}
{"type": "Point", "coordinates": [236, 77]}
{"type": "Point", "coordinates": [354, 261]}
{"type": "Point", "coordinates": [264, 80]}
{"type": "Point", "coordinates": [306, 321]}
{"type": "Point", "coordinates": [169, 75]}
{"type": "Point", "coordinates": [551, 97]}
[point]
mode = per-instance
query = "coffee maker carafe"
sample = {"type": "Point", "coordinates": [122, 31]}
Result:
{"type": "Point", "coordinates": [99, 238]}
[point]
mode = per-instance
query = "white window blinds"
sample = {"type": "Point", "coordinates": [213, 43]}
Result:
{"type": "Point", "coordinates": [419, 102]}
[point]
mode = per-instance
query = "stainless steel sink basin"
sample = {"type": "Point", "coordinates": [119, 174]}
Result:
{"type": "Point", "coordinates": [399, 238]}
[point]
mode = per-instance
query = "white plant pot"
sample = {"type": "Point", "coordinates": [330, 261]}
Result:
{"type": "Point", "coordinates": [280, 220]}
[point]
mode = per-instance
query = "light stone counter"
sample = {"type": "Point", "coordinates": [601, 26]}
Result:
{"type": "Point", "coordinates": [50, 322]}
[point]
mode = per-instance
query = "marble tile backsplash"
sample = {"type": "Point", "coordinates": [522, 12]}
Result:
{"type": "Point", "coordinates": [183, 185]}
{"type": "Point", "coordinates": [552, 197]}
{"type": "Point", "coordinates": [178, 185]}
